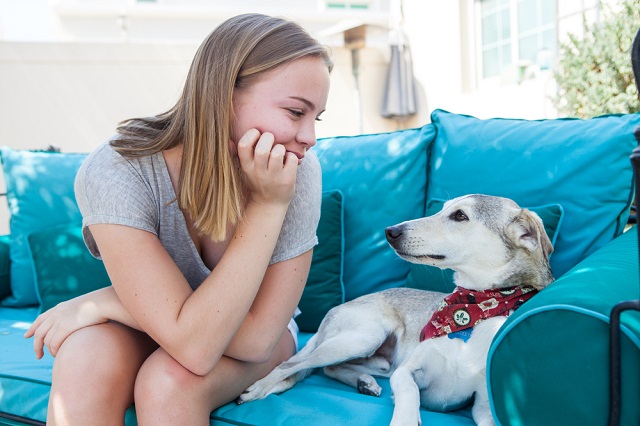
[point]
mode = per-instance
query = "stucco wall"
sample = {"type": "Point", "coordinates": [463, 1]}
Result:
{"type": "Point", "coordinates": [72, 95]}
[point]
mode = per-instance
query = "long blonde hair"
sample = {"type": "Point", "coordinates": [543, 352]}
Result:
{"type": "Point", "coordinates": [210, 188]}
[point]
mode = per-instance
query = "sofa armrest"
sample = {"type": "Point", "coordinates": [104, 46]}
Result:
{"type": "Point", "coordinates": [549, 364]}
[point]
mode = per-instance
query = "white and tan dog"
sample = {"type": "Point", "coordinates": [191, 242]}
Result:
{"type": "Point", "coordinates": [434, 346]}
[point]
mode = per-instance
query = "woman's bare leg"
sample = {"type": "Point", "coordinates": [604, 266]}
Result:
{"type": "Point", "coordinates": [94, 374]}
{"type": "Point", "coordinates": [167, 393]}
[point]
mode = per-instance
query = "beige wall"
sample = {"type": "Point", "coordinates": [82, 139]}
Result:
{"type": "Point", "coordinates": [72, 95]}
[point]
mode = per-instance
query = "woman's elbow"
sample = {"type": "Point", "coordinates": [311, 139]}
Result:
{"type": "Point", "coordinates": [259, 352]}
{"type": "Point", "coordinates": [198, 362]}
{"type": "Point", "coordinates": [259, 357]}
{"type": "Point", "coordinates": [201, 364]}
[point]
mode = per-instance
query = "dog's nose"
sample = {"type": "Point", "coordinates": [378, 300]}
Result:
{"type": "Point", "coordinates": [393, 233]}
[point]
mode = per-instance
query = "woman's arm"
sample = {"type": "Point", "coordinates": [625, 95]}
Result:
{"type": "Point", "coordinates": [271, 310]}
{"type": "Point", "coordinates": [150, 286]}
{"type": "Point", "coordinates": [51, 328]}
{"type": "Point", "coordinates": [256, 339]}
{"type": "Point", "coordinates": [196, 327]}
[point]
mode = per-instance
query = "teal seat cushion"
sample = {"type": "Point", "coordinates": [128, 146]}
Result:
{"type": "Point", "coordinates": [40, 195]}
{"type": "Point", "coordinates": [549, 363]}
{"type": "Point", "coordinates": [320, 401]}
{"type": "Point", "coordinates": [25, 383]}
{"type": "Point", "coordinates": [581, 164]}
{"type": "Point", "coordinates": [383, 178]}
{"type": "Point", "coordinates": [427, 277]}
{"type": "Point", "coordinates": [324, 288]}
{"type": "Point", "coordinates": [64, 268]}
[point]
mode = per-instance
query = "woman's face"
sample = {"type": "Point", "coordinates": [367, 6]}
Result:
{"type": "Point", "coordinates": [286, 102]}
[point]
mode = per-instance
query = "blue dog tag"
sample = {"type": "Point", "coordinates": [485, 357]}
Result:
{"type": "Point", "coordinates": [462, 334]}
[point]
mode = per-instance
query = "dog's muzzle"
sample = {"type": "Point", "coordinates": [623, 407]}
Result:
{"type": "Point", "coordinates": [394, 234]}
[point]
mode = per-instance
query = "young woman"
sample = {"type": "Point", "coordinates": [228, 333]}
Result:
{"type": "Point", "coordinates": [205, 218]}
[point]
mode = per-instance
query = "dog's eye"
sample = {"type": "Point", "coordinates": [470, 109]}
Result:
{"type": "Point", "coordinates": [458, 216]}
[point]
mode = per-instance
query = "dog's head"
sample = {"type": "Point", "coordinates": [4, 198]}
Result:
{"type": "Point", "coordinates": [490, 242]}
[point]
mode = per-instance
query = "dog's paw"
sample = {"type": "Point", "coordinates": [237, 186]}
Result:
{"type": "Point", "coordinates": [384, 366]}
{"type": "Point", "coordinates": [367, 385]}
{"type": "Point", "coordinates": [404, 422]}
{"type": "Point", "coordinates": [379, 363]}
{"type": "Point", "coordinates": [252, 393]}
{"type": "Point", "coordinates": [265, 387]}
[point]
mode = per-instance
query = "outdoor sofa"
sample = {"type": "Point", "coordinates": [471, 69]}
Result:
{"type": "Point", "coordinates": [548, 365]}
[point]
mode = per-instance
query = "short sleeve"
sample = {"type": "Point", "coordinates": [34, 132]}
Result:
{"type": "Point", "coordinates": [298, 234]}
{"type": "Point", "coordinates": [111, 190]}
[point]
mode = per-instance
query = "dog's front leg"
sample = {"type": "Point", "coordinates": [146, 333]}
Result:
{"type": "Point", "coordinates": [406, 395]}
{"type": "Point", "coordinates": [481, 411]}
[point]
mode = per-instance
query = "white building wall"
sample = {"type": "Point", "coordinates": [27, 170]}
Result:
{"type": "Point", "coordinates": [80, 70]}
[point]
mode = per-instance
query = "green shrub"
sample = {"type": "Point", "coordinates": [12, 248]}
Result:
{"type": "Point", "coordinates": [594, 76]}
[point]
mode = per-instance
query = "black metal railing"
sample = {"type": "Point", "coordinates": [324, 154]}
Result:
{"type": "Point", "coordinates": [615, 360]}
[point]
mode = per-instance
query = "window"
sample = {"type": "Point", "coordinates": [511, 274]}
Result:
{"type": "Point", "coordinates": [516, 32]}
{"type": "Point", "coordinates": [361, 4]}
{"type": "Point", "coordinates": [496, 36]}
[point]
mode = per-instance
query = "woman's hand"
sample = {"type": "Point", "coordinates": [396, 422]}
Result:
{"type": "Point", "coordinates": [52, 327]}
{"type": "Point", "coordinates": [270, 170]}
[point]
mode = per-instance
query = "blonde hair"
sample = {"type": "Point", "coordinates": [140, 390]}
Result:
{"type": "Point", "coordinates": [210, 188]}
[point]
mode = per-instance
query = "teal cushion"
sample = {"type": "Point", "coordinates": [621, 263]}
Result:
{"type": "Point", "coordinates": [581, 164]}
{"type": "Point", "coordinates": [40, 195]}
{"type": "Point", "coordinates": [64, 267]}
{"type": "Point", "coordinates": [383, 178]}
{"type": "Point", "coordinates": [427, 277]}
{"type": "Point", "coordinates": [554, 350]}
{"type": "Point", "coordinates": [318, 400]}
{"type": "Point", "coordinates": [5, 265]}
{"type": "Point", "coordinates": [324, 288]}
{"type": "Point", "coordinates": [25, 382]}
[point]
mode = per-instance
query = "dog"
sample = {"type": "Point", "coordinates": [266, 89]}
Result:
{"type": "Point", "coordinates": [433, 350]}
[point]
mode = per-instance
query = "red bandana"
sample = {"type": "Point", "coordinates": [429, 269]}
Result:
{"type": "Point", "coordinates": [464, 308]}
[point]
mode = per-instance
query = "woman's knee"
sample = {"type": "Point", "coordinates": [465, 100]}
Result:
{"type": "Point", "coordinates": [91, 355]}
{"type": "Point", "coordinates": [106, 357]}
{"type": "Point", "coordinates": [164, 389]}
{"type": "Point", "coordinates": [94, 365]}
{"type": "Point", "coordinates": [162, 379]}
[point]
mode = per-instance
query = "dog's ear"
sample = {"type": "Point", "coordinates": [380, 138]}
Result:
{"type": "Point", "coordinates": [528, 232]}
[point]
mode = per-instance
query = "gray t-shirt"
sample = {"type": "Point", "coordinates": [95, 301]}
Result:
{"type": "Point", "coordinates": [138, 193]}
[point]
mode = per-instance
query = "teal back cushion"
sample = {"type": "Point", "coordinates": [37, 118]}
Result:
{"type": "Point", "coordinates": [40, 195]}
{"type": "Point", "coordinates": [383, 178]}
{"type": "Point", "coordinates": [427, 277]}
{"type": "Point", "coordinates": [5, 265]}
{"type": "Point", "coordinates": [64, 268]}
{"type": "Point", "coordinates": [324, 289]}
{"type": "Point", "coordinates": [582, 165]}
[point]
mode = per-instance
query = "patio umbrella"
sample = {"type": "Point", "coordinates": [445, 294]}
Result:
{"type": "Point", "coordinates": [399, 96]}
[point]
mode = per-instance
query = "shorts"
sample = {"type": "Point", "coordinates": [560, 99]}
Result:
{"type": "Point", "coordinates": [293, 328]}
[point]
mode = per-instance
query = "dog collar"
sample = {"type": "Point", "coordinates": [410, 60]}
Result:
{"type": "Point", "coordinates": [464, 308]}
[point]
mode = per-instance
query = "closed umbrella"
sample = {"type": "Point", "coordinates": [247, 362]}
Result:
{"type": "Point", "coordinates": [400, 95]}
